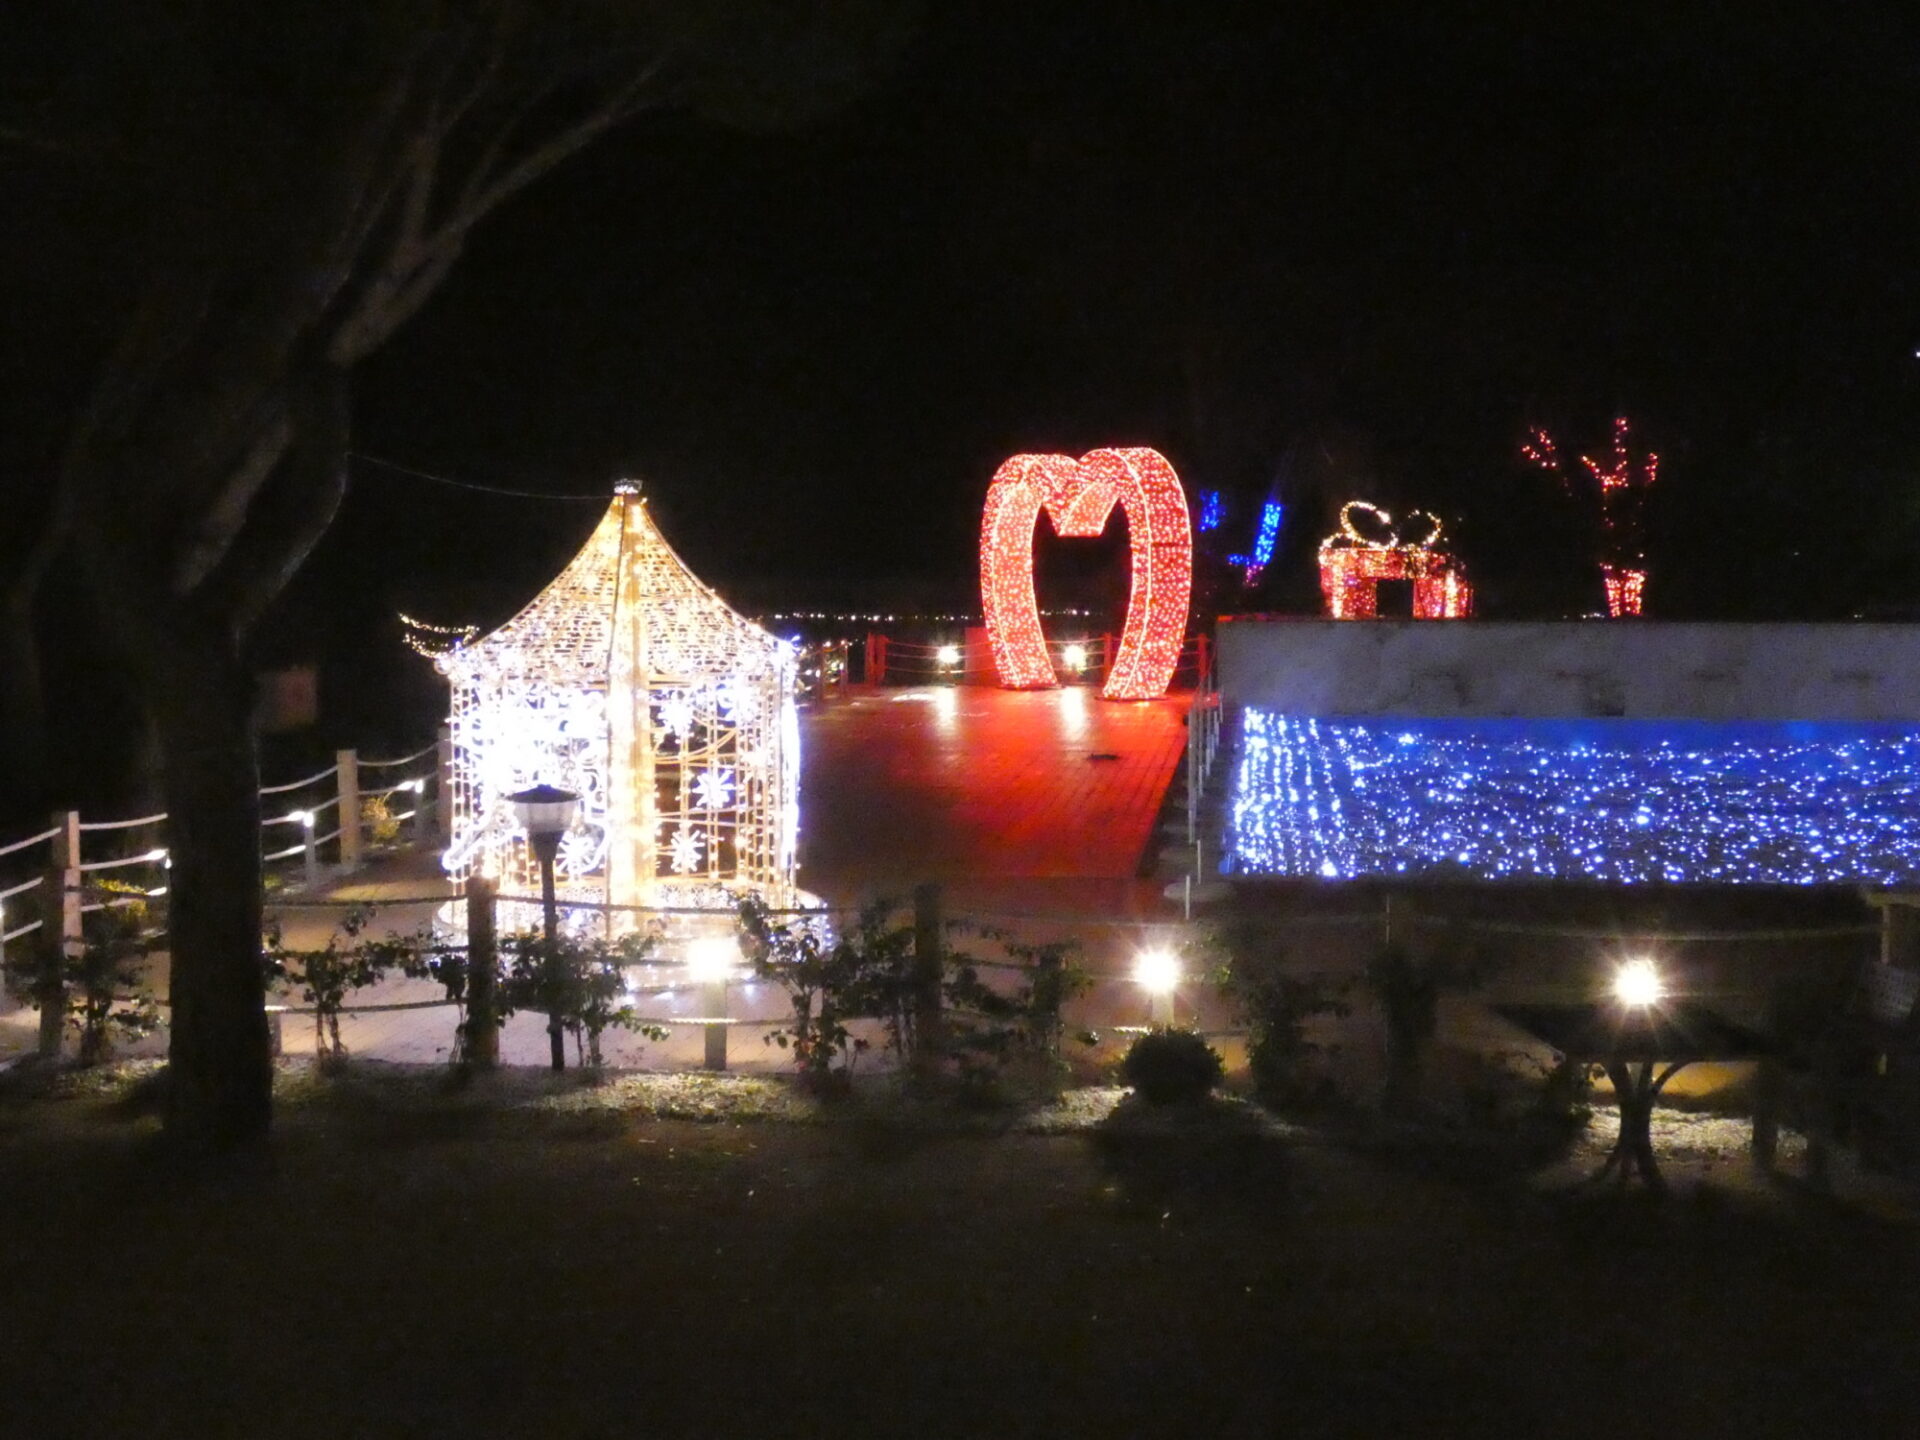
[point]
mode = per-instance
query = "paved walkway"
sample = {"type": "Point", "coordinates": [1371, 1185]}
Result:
{"type": "Point", "coordinates": [1005, 791]}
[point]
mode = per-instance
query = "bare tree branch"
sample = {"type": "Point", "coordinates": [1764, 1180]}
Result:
{"type": "Point", "coordinates": [213, 531]}
{"type": "Point", "coordinates": [484, 192]}
{"type": "Point", "coordinates": [295, 506]}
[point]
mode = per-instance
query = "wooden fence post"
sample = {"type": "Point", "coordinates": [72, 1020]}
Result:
{"type": "Point", "coordinates": [61, 935]}
{"type": "Point", "coordinates": [347, 763]}
{"type": "Point", "coordinates": [483, 1033]}
{"type": "Point", "coordinates": [876, 659]}
{"type": "Point", "coordinates": [929, 969]}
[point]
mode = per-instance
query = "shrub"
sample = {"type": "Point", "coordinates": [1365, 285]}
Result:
{"type": "Point", "coordinates": [100, 987]}
{"type": "Point", "coordinates": [1278, 1005]}
{"type": "Point", "coordinates": [1168, 1066]}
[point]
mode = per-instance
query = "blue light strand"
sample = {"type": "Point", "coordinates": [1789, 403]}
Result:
{"type": "Point", "coordinates": [1213, 509]}
{"type": "Point", "coordinates": [1271, 514]}
{"type": "Point", "coordinates": [1622, 802]}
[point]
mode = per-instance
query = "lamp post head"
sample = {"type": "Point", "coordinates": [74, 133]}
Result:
{"type": "Point", "coordinates": [544, 811]}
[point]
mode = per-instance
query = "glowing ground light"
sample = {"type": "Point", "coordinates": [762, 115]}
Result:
{"type": "Point", "coordinates": [712, 959]}
{"type": "Point", "coordinates": [1080, 495]}
{"type": "Point", "coordinates": [1638, 983]}
{"type": "Point", "coordinates": [1616, 801]}
{"type": "Point", "coordinates": [1157, 972]}
{"type": "Point", "coordinates": [1074, 657]}
{"type": "Point", "coordinates": [1352, 565]}
{"type": "Point", "coordinates": [948, 655]}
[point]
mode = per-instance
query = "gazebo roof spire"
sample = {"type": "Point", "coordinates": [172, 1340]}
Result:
{"type": "Point", "coordinates": [566, 633]}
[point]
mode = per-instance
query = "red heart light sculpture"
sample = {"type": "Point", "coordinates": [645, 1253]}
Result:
{"type": "Point", "coordinates": [1080, 495]}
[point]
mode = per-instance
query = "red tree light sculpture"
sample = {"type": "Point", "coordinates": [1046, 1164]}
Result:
{"type": "Point", "coordinates": [1623, 524]}
{"type": "Point", "coordinates": [1352, 566]}
{"type": "Point", "coordinates": [1080, 495]}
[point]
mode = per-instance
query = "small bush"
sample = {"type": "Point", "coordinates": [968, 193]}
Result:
{"type": "Point", "coordinates": [1169, 1066]}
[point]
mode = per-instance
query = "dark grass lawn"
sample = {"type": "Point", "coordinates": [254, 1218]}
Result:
{"type": "Point", "coordinates": [459, 1266]}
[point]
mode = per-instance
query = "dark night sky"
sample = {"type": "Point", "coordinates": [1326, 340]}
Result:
{"type": "Point", "coordinates": [1389, 242]}
{"type": "Point", "coordinates": [1356, 251]}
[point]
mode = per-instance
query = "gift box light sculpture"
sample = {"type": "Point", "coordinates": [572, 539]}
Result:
{"type": "Point", "coordinates": [1623, 512]}
{"type": "Point", "coordinates": [1352, 565]}
{"type": "Point", "coordinates": [1080, 495]}
{"type": "Point", "coordinates": [630, 683]}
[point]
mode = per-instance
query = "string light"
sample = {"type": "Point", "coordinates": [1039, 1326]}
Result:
{"type": "Point", "coordinates": [1352, 565]}
{"type": "Point", "coordinates": [632, 684]}
{"type": "Point", "coordinates": [1623, 802]}
{"type": "Point", "coordinates": [1623, 488]}
{"type": "Point", "coordinates": [433, 641]}
{"type": "Point", "coordinates": [1264, 541]}
{"type": "Point", "coordinates": [1213, 509]}
{"type": "Point", "coordinates": [1080, 495]}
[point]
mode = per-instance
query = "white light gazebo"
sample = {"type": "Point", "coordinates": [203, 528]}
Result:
{"type": "Point", "coordinates": [630, 683]}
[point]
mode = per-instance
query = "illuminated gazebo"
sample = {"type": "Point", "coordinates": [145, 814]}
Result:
{"type": "Point", "coordinates": [630, 683]}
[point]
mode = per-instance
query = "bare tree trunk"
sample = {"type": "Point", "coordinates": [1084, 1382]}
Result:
{"type": "Point", "coordinates": [220, 1070]}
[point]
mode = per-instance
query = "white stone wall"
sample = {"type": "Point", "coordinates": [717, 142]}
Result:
{"type": "Point", "coordinates": [1636, 668]}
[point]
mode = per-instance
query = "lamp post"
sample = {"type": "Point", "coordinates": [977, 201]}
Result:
{"type": "Point", "coordinates": [711, 963]}
{"type": "Point", "coordinates": [546, 813]}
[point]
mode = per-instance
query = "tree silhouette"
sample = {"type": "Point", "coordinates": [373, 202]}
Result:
{"type": "Point", "coordinates": [300, 178]}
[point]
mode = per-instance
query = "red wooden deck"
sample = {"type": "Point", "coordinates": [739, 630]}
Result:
{"type": "Point", "coordinates": [970, 784]}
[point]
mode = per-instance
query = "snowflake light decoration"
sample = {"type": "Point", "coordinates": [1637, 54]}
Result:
{"type": "Point", "coordinates": [686, 846]}
{"type": "Point", "coordinates": [713, 789]}
{"type": "Point", "coordinates": [632, 684]}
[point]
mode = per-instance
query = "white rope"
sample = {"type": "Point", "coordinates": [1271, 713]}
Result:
{"type": "Point", "coordinates": [297, 784]}
{"type": "Point", "coordinates": [122, 824]}
{"type": "Point", "coordinates": [403, 760]}
{"type": "Point", "coordinates": [12, 935]}
{"type": "Point", "coordinates": [41, 838]}
{"type": "Point", "coordinates": [20, 889]}
{"type": "Point", "coordinates": [150, 858]}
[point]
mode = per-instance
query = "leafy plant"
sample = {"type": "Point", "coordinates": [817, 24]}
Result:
{"type": "Point", "coordinates": [449, 967]}
{"type": "Point", "coordinates": [866, 973]}
{"type": "Point", "coordinates": [376, 814]}
{"type": "Point", "coordinates": [578, 981]}
{"type": "Point", "coordinates": [1169, 1066]}
{"type": "Point", "coordinates": [1408, 988]}
{"type": "Point", "coordinates": [327, 976]}
{"type": "Point", "coordinates": [100, 987]}
{"type": "Point", "coordinates": [990, 1033]}
{"type": "Point", "coordinates": [1277, 1006]}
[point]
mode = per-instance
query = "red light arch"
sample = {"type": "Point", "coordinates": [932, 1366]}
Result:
{"type": "Point", "coordinates": [1080, 495]}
